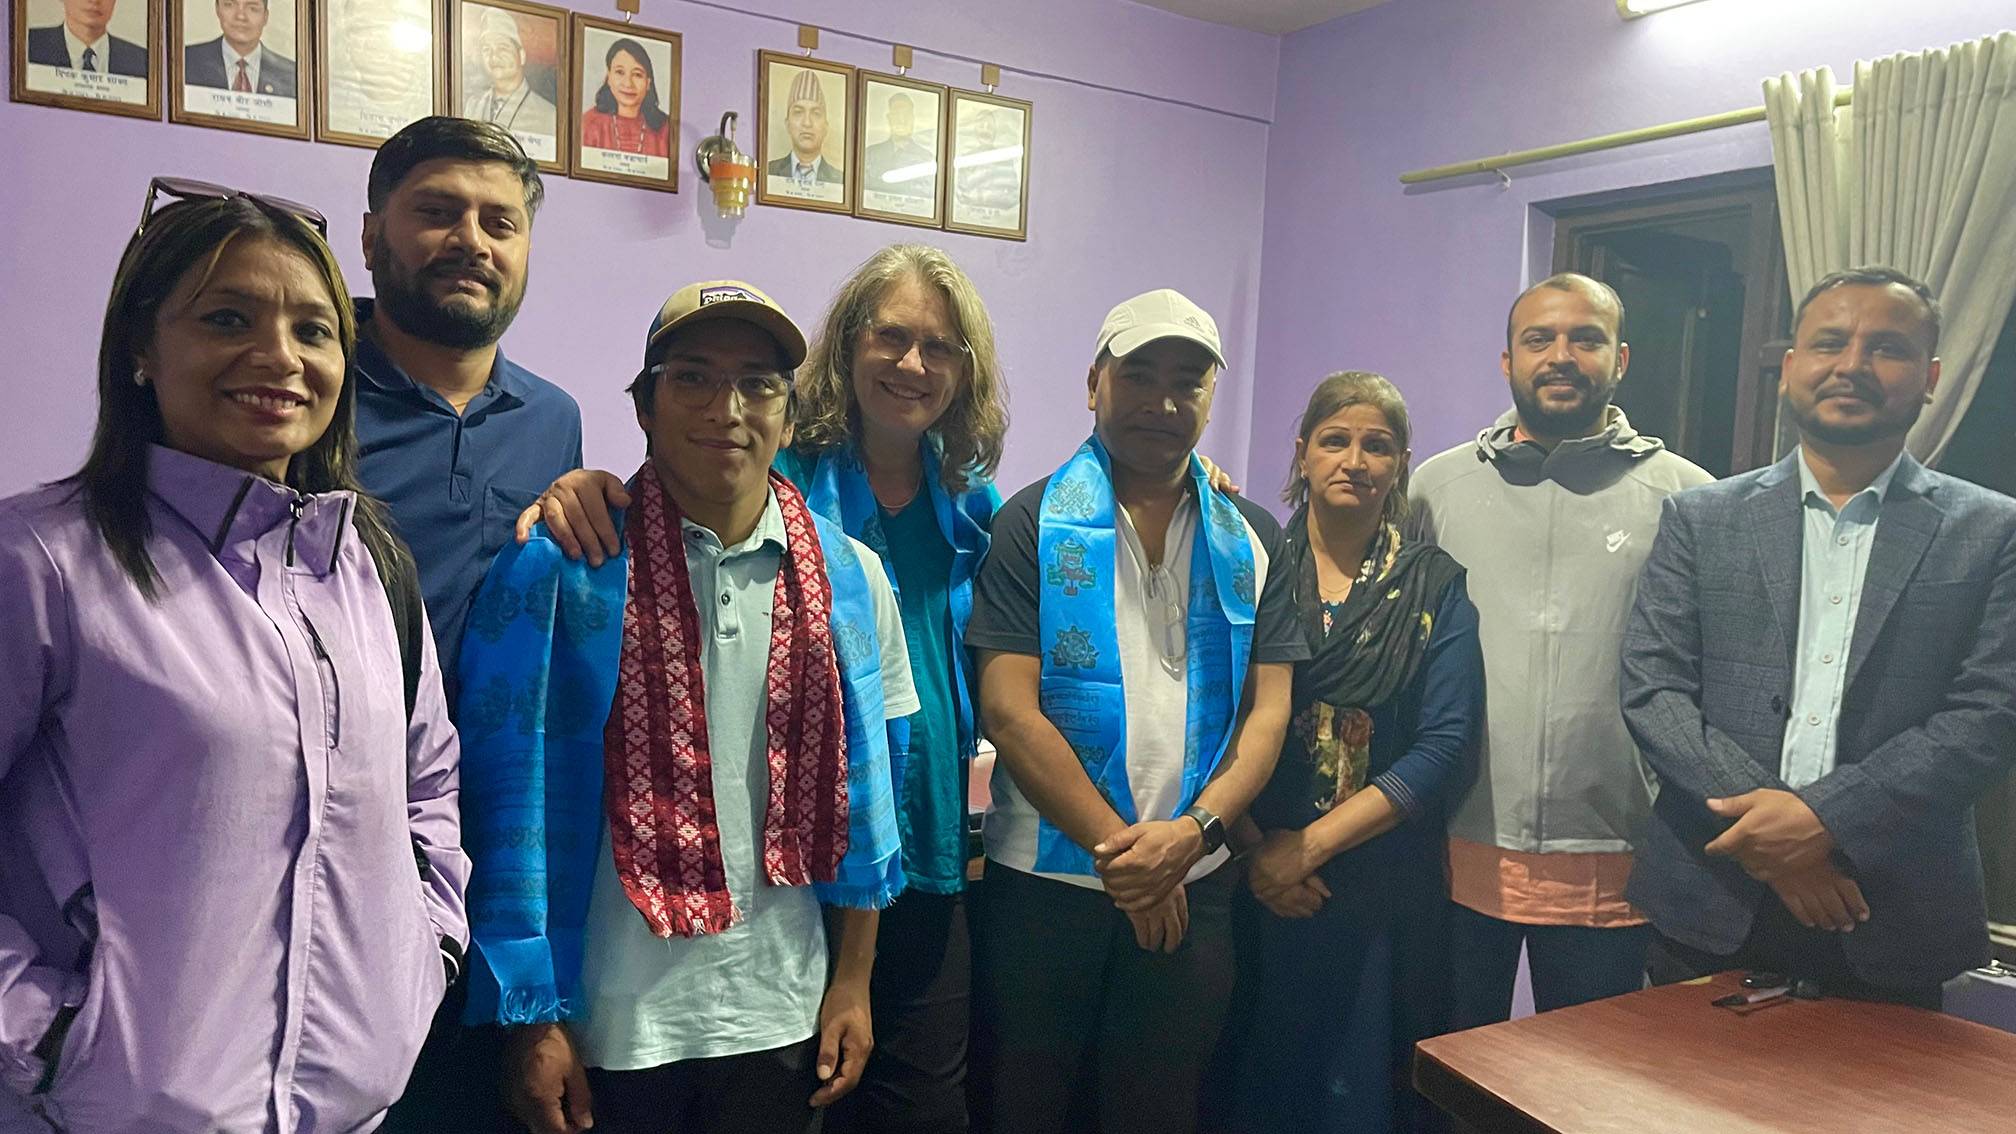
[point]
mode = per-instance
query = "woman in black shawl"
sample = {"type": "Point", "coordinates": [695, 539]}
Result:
{"type": "Point", "coordinates": [1344, 933]}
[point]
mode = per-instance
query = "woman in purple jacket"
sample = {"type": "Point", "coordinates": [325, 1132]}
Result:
{"type": "Point", "coordinates": [230, 865]}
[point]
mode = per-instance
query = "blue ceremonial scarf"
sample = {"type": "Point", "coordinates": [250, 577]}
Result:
{"type": "Point", "coordinates": [538, 670]}
{"type": "Point", "coordinates": [836, 486]}
{"type": "Point", "coordinates": [1082, 688]}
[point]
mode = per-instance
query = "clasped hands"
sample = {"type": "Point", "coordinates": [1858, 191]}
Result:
{"type": "Point", "coordinates": [1143, 868]}
{"type": "Point", "coordinates": [1779, 841]}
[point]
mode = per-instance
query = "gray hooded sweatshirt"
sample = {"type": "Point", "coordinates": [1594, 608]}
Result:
{"type": "Point", "coordinates": [1553, 543]}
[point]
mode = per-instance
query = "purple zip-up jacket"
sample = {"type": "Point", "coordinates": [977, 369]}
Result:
{"type": "Point", "coordinates": [213, 814]}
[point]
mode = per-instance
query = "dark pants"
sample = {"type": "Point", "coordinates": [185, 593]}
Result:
{"type": "Point", "coordinates": [762, 1092]}
{"type": "Point", "coordinates": [1570, 964]}
{"type": "Point", "coordinates": [920, 996]}
{"type": "Point", "coordinates": [457, 1083]}
{"type": "Point", "coordinates": [1076, 1028]}
{"type": "Point", "coordinates": [1779, 944]}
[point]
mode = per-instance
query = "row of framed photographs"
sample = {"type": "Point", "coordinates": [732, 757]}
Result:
{"type": "Point", "coordinates": [589, 97]}
{"type": "Point", "coordinates": [844, 140]}
{"type": "Point", "coordinates": [356, 72]}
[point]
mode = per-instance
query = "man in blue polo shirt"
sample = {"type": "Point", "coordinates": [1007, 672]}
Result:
{"type": "Point", "coordinates": [456, 440]}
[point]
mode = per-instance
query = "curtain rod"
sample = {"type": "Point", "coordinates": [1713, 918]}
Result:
{"type": "Point", "coordinates": [1590, 145]}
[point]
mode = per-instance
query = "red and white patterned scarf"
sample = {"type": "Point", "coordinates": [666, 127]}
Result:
{"type": "Point", "coordinates": [658, 775]}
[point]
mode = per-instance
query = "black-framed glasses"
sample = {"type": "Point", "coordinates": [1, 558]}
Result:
{"type": "Point", "coordinates": [694, 389]}
{"type": "Point", "coordinates": [893, 343]}
{"type": "Point", "coordinates": [188, 189]}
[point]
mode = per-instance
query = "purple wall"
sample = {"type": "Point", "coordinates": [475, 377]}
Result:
{"type": "Point", "coordinates": [1414, 282]}
{"type": "Point", "coordinates": [1113, 84]}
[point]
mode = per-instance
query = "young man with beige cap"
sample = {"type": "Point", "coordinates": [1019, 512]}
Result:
{"type": "Point", "coordinates": [704, 806]}
{"type": "Point", "coordinates": [1134, 659]}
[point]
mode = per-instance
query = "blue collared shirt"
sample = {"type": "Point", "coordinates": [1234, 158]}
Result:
{"type": "Point", "coordinates": [1834, 559]}
{"type": "Point", "coordinates": [456, 483]}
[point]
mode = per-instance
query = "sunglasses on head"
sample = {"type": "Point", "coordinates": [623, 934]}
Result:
{"type": "Point", "coordinates": [185, 189]}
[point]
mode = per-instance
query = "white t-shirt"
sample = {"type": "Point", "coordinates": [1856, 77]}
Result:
{"type": "Point", "coordinates": [757, 985]}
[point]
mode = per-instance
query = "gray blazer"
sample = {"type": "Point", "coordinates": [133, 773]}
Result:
{"type": "Point", "coordinates": [1928, 719]}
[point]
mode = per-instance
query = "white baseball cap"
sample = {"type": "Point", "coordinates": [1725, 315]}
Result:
{"type": "Point", "coordinates": [1160, 314]}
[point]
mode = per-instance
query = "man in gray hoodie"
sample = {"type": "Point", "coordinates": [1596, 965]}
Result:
{"type": "Point", "coordinates": [1553, 510]}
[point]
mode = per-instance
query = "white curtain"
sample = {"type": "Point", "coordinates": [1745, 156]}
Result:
{"type": "Point", "coordinates": [1919, 174]}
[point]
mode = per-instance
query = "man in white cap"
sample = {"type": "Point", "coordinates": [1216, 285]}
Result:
{"type": "Point", "coordinates": [507, 99]}
{"type": "Point", "coordinates": [681, 878]}
{"type": "Point", "coordinates": [1135, 656]}
{"type": "Point", "coordinates": [805, 170]}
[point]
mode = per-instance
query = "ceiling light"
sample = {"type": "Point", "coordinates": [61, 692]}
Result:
{"type": "Point", "coordinates": [1635, 9]}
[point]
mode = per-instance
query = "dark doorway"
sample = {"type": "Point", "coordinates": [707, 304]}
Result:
{"type": "Point", "coordinates": [1701, 273]}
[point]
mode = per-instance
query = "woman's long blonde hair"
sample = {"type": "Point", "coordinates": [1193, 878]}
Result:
{"type": "Point", "coordinates": [971, 430]}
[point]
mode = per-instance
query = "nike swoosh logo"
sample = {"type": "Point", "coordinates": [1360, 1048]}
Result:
{"type": "Point", "coordinates": [1615, 540]}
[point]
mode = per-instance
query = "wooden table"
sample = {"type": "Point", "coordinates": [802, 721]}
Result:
{"type": "Point", "coordinates": [1665, 1061]}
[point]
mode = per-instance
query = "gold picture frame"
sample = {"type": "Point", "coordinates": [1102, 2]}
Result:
{"type": "Point", "coordinates": [822, 184]}
{"type": "Point", "coordinates": [369, 85]}
{"type": "Point", "coordinates": [42, 72]}
{"type": "Point", "coordinates": [278, 98]}
{"type": "Point", "coordinates": [599, 49]}
{"type": "Point", "coordinates": [490, 41]}
{"type": "Point", "coordinates": [899, 170]}
{"type": "Point", "coordinates": [987, 165]}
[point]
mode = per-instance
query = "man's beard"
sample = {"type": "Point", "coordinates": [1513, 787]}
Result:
{"type": "Point", "coordinates": [1581, 421]}
{"type": "Point", "coordinates": [405, 299]}
{"type": "Point", "coordinates": [1877, 428]}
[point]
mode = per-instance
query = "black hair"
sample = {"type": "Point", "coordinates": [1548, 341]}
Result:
{"type": "Point", "coordinates": [190, 236]}
{"type": "Point", "coordinates": [1873, 275]}
{"type": "Point", "coordinates": [460, 139]}
{"type": "Point", "coordinates": [605, 99]}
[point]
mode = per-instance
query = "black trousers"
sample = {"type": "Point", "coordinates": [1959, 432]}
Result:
{"type": "Point", "coordinates": [457, 1085]}
{"type": "Point", "coordinates": [921, 1000]}
{"type": "Point", "coordinates": [1076, 1028]}
{"type": "Point", "coordinates": [762, 1092]}
{"type": "Point", "coordinates": [1779, 944]}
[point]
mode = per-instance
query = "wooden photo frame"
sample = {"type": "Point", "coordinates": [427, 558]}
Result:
{"type": "Point", "coordinates": [127, 80]}
{"type": "Point", "coordinates": [375, 74]}
{"type": "Point", "coordinates": [899, 149]}
{"type": "Point", "coordinates": [818, 97]}
{"type": "Point", "coordinates": [987, 171]}
{"type": "Point", "coordinates": [239, 65]}
{"type": "Point", "coordinates": [627, 88]}
{"type": "Point", "coordinates": [508, 64]}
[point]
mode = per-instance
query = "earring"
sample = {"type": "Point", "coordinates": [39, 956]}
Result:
{"type": "Point", "coordinates": [139, 377]}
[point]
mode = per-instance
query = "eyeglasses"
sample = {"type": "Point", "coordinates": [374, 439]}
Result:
{"type": "Point", "coordinates": [893, 342]}
{"type": "Point", "coordinates": [695, 389]}
{"type": "Point", "coordinates": [184, 189]}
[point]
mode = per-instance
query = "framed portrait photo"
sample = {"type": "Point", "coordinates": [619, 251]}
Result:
{"type": "Point", "coordinates": [378, 68]}
{"type": "Point", "coordinates": [627, 87]}
{"type": "Point", "coordinates": [238, 65]}
{"type": "Point", "coordinates": [99, 55]}
{"type": "Point", "coordinates": [804, 139]}
{"type": "Point", "coordinates": [899, 150]}
{"type": "Point", "coordinates": [508, 66]}
{"type": "Point", "coordinates": [987, 183]}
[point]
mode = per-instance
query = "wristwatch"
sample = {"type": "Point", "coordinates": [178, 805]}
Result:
{"type": "Point", "coordinates": [1212, 827]}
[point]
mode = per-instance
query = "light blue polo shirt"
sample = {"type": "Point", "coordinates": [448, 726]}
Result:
{"type": "Point", "coordinates": [758, 984]}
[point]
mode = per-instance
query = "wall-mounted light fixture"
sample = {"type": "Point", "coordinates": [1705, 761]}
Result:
{"type": "Point", "coordinates": [731, 172]}
{"type": "Point", "coordinates": [1636, 9]}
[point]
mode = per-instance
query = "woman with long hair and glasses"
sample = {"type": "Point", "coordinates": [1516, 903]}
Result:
{"type": "Point", "coordinates": [230, 866]}
{"type": "Point", "coordinates": [899, 423]}
{"type": "Point", "coordinates": [627, 115]}
{"type": "Point", "coordinates": [1346, 962]}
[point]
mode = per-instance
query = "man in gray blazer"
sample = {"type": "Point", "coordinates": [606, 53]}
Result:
{"type": "Point", "coordinates": [1820, 667]}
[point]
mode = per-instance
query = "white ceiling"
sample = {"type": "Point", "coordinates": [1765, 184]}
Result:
{"type": "Point", "coordinates": [1275, 17]}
